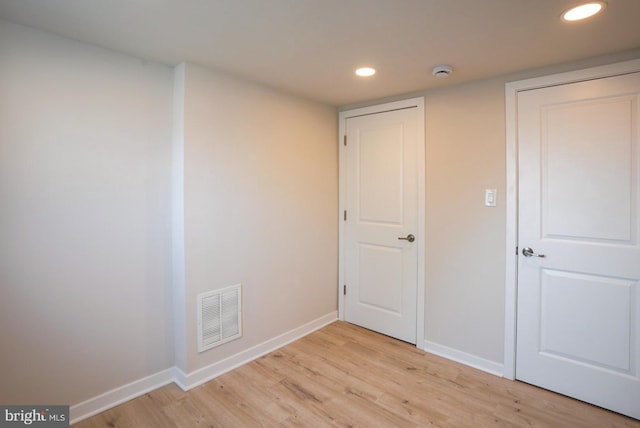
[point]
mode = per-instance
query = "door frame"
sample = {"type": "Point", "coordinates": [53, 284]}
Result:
{"type": "Point", "coordinates": [511, 269]}
{"type": "Point", "coordinates": [417, 103]}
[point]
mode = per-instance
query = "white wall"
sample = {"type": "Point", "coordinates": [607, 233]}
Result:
{"type": "Point", "coordinates": [85, 140]}
{"type": "Point", "coordinates": [260, 204]}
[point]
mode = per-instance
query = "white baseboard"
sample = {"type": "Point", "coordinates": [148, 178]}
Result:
{"type": "Point", "coordinates": [463, 358]}
{"type": "Point", "coordinates": [119, 395]}
{"type": "Point", "coordinates": [205, 374]}
{"type": "Point", "coordinates": [140, 387]}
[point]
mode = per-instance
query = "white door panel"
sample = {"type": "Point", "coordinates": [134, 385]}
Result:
{"type": "Point", "coordinates": [568, 328]}
{"type": "Point", "coordinates": [380, 265]}
{"type": "Point", "coordinates": [379, 167]}
{"type": "Point", "coordinates": [600, 206]}
{"type": "Point", "coordinates": [382, 204]}
{"type": "Point", "coordinates": [578, 310]}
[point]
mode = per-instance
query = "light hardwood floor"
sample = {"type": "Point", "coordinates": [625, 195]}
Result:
{"type": "Point", "coordinates": [344, 375]}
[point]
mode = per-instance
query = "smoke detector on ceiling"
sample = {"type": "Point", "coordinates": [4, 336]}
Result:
{"type": "Point", "coordinates": [442, 71]}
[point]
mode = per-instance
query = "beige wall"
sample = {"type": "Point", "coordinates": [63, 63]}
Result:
{"type": "Point", "coordinates": [85, 237]}
{"type": "Point", "coordinates": [85, 139]}
{"type": "Point", "coordinates": [89, 298]}
{"type": "Point", "coordinates": [260, 204]}
{"type": "Point", "coordinates": [464, 239]}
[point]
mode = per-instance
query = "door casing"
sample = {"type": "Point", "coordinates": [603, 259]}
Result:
{"type": "Point", "coordinates": [511, 271]}
{"type": "Point", "coordinates": [417, 103]}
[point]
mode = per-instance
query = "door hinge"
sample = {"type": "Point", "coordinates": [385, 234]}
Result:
{"type": "Point", "coordinates": [344, 289]}
{"type": "Point", "coordinates": [516, 250]}
{"type": "Point", "coordinates": [345, 215]}
{"type": "Point", "coordinates": [345, 139]}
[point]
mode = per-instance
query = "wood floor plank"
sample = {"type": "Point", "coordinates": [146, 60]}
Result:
{"type": "Point", "coordinates": [347, 376]}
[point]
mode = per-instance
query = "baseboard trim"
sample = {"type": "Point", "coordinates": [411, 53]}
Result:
{"type": "Point", "coordinates": [464, 358]}
{"type": "Point", "coordinates": [120, 395]}
{"type": "Point", "coordinates": [205, 374]}
{"type": "Point", "coordinates": [109, 399]}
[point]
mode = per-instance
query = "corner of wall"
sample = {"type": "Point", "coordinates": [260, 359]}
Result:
{"type": "Point", "coordinates": [177, 220]}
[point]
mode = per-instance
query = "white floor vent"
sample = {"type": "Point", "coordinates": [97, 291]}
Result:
{"type": "Point", "coordinates": [219, 317]}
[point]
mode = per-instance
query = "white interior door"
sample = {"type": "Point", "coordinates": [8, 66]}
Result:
{"type": "Point", "coordinates": [381, 228]}
{"type": "Point", "coordinates": [578, 307]}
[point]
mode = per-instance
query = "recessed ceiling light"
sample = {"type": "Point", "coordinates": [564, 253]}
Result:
{"type": "Point", "coordinates": [583, 11]}
{"type": "Point", "coordinates": [365, 71]}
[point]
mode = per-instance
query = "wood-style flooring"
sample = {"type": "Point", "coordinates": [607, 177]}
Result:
{"type": "Point", "coordinates": [344, 375]}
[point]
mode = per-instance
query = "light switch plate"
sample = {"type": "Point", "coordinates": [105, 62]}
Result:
{"type": "Point", "coordinates": [490, 197]}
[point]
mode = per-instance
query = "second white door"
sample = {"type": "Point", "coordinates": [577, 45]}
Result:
{"type": "Point", "coordinates": [381, 232]}
{"type": "Point", "coordinates": [578, 330]}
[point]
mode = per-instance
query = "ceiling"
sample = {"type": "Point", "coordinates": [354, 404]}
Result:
{"type": "Point", "coordinates": [311, 47]}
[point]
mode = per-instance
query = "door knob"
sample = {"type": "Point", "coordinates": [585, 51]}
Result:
{"type": "Point", "coordinates": [409, 238]}
{"type": "Point", "coordinates": [528, 252]}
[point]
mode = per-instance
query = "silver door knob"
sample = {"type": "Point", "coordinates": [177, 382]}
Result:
{"type": "Point", "coordinates": [528, 252]}
{"type": "Point", "coordinates": [409, 238]}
